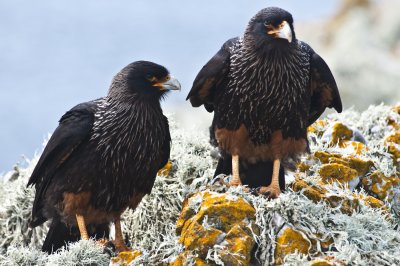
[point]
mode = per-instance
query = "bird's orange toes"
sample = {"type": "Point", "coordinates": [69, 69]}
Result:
{"type": "Point", "coordinates": [102, 242]}
{"type": "Point", "coordinates": [270, 192]}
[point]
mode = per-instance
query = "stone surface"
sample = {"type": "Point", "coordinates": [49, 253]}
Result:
{"type": "Point", "coordinates": [381, 186]}
{"type": "Point", "coordinates": [210, 219]}
{"type": "Point", "coordinates": [317, 192]}
{"type": "Point", "coordinates": [125, 258]}
{"type": "Point", "coordinates": [165, 170]}
{"type": "Point", "coordinates": [392, 142]}
{"type": "Point", "coordinates": [290, 240]}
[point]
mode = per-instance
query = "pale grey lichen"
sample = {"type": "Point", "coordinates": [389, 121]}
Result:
{"type": "Point", "coordinates": [366, 236]}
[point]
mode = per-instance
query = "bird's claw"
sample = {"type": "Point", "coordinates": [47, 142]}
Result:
{"type": "Point", "coordinates": [268, 192]}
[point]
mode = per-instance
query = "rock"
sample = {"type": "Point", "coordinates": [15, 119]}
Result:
{"type": "Point", "coordinates": [338, 134]}
{"type": "Point", "coordinates": [186, 258]}
{"type": "Point", "coordinates": [290, 240]}
{"type": "Point", "coordinates": [392, 142]}
{"type": "Point", "coordinates": [326, 261]}
{"type": "Point", "coordinates": [361, 166]}
{"type": "Point", "coordinates": [210, 219]}
{"type": "Point", "coordinates": [381, 186]}
{"type": "Point", "coordinates": [318, 127]}
{"type": "Point", "coordinates": [335, 172]}
{"type": "Point", "coordinates": [166, 169]}
{"type": "Point", "coordinates": [125, 258]}
{"type": "Point", "coordinates": [317, 192]}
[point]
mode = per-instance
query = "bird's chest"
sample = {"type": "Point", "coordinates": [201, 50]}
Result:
{"type": "Point", "coordinates": [131, 146]}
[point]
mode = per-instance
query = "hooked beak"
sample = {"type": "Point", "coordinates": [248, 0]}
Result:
{"type": "Point", "coordinates": [282, 32]}
{"type": "Point", "coordinates": [172, 84]}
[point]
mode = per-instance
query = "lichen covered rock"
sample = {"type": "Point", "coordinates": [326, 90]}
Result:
{"type": "Point", "coordinates": [289, 241]}
{"type": "Point", "coordinates": [383, 187]}
{"type": "Point", "coordinates": [125, 258]}
{"type": "Point", "coordinates": [393, 144]}
{"type": "Point", "coordinates": [348, 203]}
{"type": "Point", "coordinates": [210, 219]}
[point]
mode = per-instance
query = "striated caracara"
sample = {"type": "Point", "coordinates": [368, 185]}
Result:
{"type": "Point", "coordinates": [103, 158]}
{"type": "Point", "coordinates": [265, 89]}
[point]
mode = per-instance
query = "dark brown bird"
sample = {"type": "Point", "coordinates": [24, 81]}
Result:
{"type": "Point", "coordinates": [103, 158]}
{"type": "Point", "coordinates": [265, 89]}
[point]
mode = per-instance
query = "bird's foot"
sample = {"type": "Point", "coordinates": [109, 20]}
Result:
{"type": "Point", "coordinates": [120, 246]}
{"type": "Point", "coordinates": [270, 191]}
{"type": "Point", "coordinates": [221, 183]}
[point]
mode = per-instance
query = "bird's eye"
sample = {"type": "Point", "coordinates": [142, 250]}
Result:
{"type": "Point", "coordinates": [151, 78]}
{"type": "Point", "coordinates": [167, 78]}
{"type": "Point", "coordinates": [267, 24]}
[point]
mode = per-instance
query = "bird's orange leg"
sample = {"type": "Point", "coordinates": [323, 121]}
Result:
{"type": "Point", "coordinates": [273, 190]}
{"type": "Point", "coordinates": [119, 239]}
{"type": "Point", "coordinates": [235, 181]}
{"type": "Point", "coordinates": [82, 227]}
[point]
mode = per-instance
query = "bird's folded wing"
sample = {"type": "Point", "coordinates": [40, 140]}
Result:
{"type": "Point", "coordinates": [324, 91]}
{"type": "Point", "coordinates": [210, 77]}
{"type": "Point", "coordinates": [74, 127]}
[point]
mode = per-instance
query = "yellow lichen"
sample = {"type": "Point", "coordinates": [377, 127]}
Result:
{"type": "Point", "coordinates": [219, 218]}
{"type": "Point", "coordinates": [317, 193]}
{"type": "Point", "coordinates": [380, 185]}
{"type": "Point", "coordinates": [392, 142]}
{"type": "Point", "coordinates": [356, 146]}
{"type": "Point", "coordinates": [318, 127]}
{"type": "Point", "coordinates": [125, 258]}
{"type": "Point", "coordinates": [182, 260]}
{"type": "Point", "coordinates": [326, 261]}
{"type": "Point", "coordinates": [360, 165]}
{"type": "Point", "coordinates": [290, 241]}
{"type": "Point", "coordinates": [195, 236]}
{"type": "Point", "coordinates": [165, 170]}
{"type": "Point", "coordinates": [303, 167]}
{"type": "Point", "coordinates": [335, 172]}
{"type": "Point", "coordinates": [340, 132]}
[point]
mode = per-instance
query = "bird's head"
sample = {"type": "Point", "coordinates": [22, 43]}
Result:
{"type": "Point", "coordinates": [145, 80]}
{"type": "Point", "coordinates": [271, 26]}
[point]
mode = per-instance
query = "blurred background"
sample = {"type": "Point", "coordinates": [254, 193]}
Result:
{"type": "Point", "coordinates": [56, 54]}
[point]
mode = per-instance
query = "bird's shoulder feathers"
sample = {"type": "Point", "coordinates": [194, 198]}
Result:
{"type": "Point", "coordinates": [211, 76]}
{"type": "Point", "coordinates": [74, 127]}
{"type": "Point", "coordinates": [324, 90]}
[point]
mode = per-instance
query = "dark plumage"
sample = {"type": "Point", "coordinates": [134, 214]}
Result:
{"type": "Point", "coordinates": [103, 157]}
{"type": "Point", "coordinates": [265, 89]}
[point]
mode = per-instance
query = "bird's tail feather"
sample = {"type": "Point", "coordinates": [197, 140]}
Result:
{"type": "Point", "coordinates": [252, 174]}
{"type": "Point", "coordinates": [60, 234]}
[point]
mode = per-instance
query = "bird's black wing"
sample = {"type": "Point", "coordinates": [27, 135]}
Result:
{"type": "Point", "coordinates": [324, 91]}
{"type": "Point", "coordinates": [210, 77]}
{"type": "Point", "coordinates": [74, 128]}
{"type": "Point", "coordinates": [166, 146]}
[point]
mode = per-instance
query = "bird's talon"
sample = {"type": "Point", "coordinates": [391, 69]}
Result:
{"type": "Point", "coordinates": [121, 247]}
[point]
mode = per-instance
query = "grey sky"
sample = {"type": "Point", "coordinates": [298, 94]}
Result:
{"type": "Point", "coordinates": [56, 54]}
